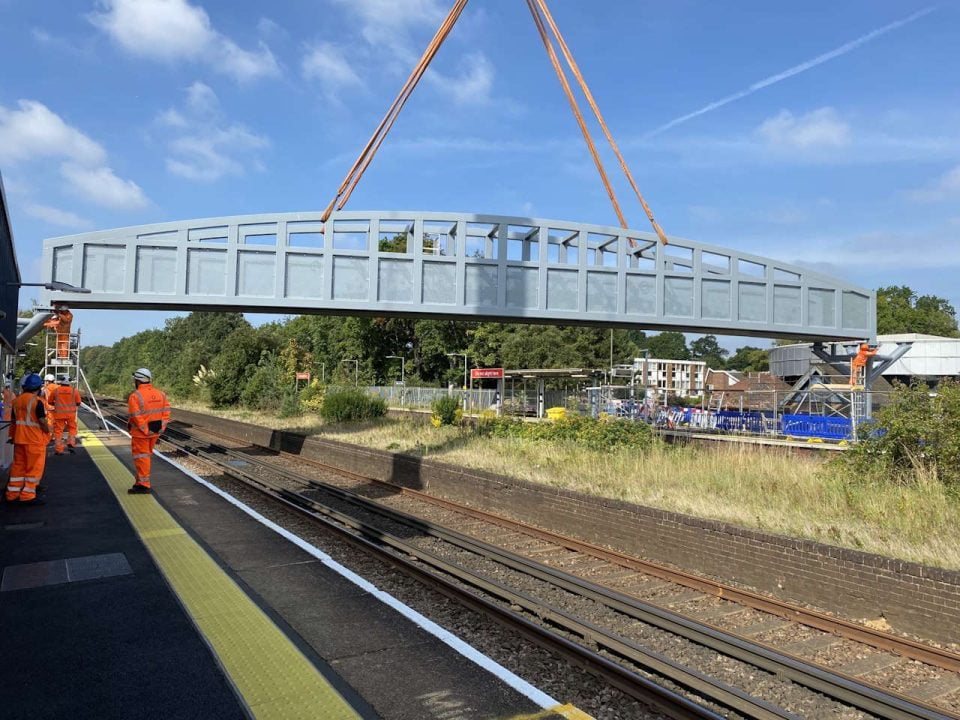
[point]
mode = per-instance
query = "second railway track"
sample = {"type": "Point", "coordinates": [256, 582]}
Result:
{"type": "Point", "coordinates": [622, 608]}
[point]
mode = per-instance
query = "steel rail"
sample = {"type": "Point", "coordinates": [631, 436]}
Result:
{"type": "Point", "coordinates": [699, 683]}
{"type": "Point", "coordinates": [843, 688]}
{"type": "Point", "coordinates": [373, 540]}
{"type": "Point", "coordinates": [905, 647]}
{"type": "Point", "coordinates": [902, 646]}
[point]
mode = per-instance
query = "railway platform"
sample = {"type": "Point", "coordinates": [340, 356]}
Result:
{"type": "Point", "coordinates": [182, 604]}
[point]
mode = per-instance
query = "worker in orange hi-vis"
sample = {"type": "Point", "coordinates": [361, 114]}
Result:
{"type": "Point", "coordinates": [46, 394]}
{"type": "Point", "coordinates": [149, 413]}
{"type": "Point", "coordinates": [29, 435]}
{"type": "Point", "coordinates": [859, 362]}
{"type": "Point", "coordinates": [66, 403]}
{"type": "Point", "coordinates": [6, 449]}
{"type": "Point", "coordinates": [60, 323]}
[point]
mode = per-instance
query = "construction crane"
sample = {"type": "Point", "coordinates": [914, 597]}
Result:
{"type": "Point", "coordinates": [546, 26]}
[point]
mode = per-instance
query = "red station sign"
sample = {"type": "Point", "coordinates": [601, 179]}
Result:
{"type": "Point", "coordinates": [303, 376]}
{"type": "Point", "coordinates": [486, 373]}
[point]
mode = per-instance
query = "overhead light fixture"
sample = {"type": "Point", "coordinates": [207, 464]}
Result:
{"type": "Point", "coordinates": [56, 286]}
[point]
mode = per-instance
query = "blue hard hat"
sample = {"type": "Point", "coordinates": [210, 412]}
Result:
{"type": "Point", "coordinates": [31, 381]}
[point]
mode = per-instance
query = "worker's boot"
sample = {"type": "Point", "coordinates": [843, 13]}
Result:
{"type": "Point", "coordinates": [139, 489]}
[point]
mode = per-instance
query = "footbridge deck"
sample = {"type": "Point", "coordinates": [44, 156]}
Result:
{"type": "Point", "coordinates": [454, 265]}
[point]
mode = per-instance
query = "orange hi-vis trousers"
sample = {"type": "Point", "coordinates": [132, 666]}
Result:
{"type": "Point", "coordinates": [60, 424]}
{"type": "Point", "coordinates": [26, 471]}
{"type": "Point", "coordinates": [142, 448]}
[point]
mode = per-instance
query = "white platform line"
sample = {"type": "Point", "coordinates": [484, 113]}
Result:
{"type": "Point", "coordinates": [468, 651]}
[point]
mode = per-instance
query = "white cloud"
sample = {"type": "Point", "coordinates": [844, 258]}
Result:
{"type": "Point", "coordinates": [388, 28]}
{"type": "Point", "coordinates": [101, 186]}
{"type": "Point", "coordinates": [472, 85]}
{"type": "Point", "coordinates": [947, 187]}
{"type": "Point", "coordinates": [172, 118]}
{"type": "Point", "coordinates": [387, 23]}
{"type": "Point", "coordinates": [210, 149]}
{"type": "Point", "coordinates": [795, 70]}
{"type": "Point", "coordinates": [55, 216]}
{"type": "Point", "coordinates": [174, 30]}
{"type": "Point", "coordinates": [816, 129]}
{"type": "Point", "coordinates": [326, 63]}
{"type": "Point", "coordinates": [35, 131]}
{"type": "Point", "coordinates": [202, 100]}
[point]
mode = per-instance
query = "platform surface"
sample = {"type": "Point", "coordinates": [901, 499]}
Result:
{"type": "Point", "coordinates": [109, 603]}
{"type": "Point", "coordinates": [77, 645]}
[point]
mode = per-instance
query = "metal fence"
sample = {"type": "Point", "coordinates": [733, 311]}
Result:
{"type": "Point", "coordinates": [400, 396]}
{"type": "Point", "coordinates": [831, 414]}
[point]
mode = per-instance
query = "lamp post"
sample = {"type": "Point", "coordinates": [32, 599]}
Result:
{"type": "Point", "coordinates": [466, 366]}
{"type": "Point", "coordinates": [356, 371]}
{"type": "Point", "coordinates": [55, 285]}
{"type": "Point", "coordinates": [402, 364]}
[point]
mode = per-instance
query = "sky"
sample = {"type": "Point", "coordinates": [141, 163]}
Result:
{"type": "Point", "coordinates": [820, 133]}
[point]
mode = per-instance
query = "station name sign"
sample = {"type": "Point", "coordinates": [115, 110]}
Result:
{"type": "Point", "coordinates": [303, 376]}
{"type": "Point", "coordinates": [486, 373]}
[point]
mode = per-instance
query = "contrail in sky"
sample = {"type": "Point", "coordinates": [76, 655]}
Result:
{"type": "Point", "coordinates": [795, 70]}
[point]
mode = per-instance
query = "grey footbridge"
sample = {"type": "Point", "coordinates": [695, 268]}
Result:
{"type": "Point", "coordinates": [454, 265]}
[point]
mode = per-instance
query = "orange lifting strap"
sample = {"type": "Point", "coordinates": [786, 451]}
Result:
{"type": "Point", "coordinates": [536, 7]}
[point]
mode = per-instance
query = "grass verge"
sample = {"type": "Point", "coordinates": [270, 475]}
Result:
{"type": "Point", "coordinates": [794, 495]}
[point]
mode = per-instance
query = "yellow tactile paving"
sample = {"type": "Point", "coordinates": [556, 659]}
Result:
{"type": "Point", "coordinates": [570, 712]}
{"type": "Point", "coordinates": [274, 678]}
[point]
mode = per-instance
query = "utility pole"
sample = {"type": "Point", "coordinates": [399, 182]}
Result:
{"type": "Point", "coordinates": [402, 363]}
{"type": "Point", "coordinates": [356, 371]}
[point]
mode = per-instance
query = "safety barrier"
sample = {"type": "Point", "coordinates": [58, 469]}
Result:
{"type": "Point", "coordinates": [818, 426]}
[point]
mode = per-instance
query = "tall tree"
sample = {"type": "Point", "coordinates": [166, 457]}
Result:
{"type": "Point", "coordinates": [668, 345]}
{"type": "Point", "coordinates": [749, 359]}
{"type": "Point", "coordinates": [707, 348]}
{"type": "Point", "coordinates": [901, 310]}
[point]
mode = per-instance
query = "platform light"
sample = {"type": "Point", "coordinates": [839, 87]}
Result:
{"type": "Point", "coordinates": [55, 285]}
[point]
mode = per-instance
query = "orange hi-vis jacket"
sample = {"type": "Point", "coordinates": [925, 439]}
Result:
{"type": "Point", "coordinates": [48, 390]}
{"type": "Point", "coordinates": [8, 397]}
{"type": "Point", "coordinates": [66, 401]}
{"type": "Point", "coordinates": [25, 425]}
{"type": "Point", "coordinates": [149, 411]}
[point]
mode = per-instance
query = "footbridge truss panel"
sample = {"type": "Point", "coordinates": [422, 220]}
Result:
{"type": "Point", "coordinates": [454, 265]}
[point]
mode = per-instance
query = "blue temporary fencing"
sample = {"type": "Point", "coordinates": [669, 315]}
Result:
{"type": "Point", "coordinates": [829, 428]}
{"type": "Point", "coordinates": [737, 421]}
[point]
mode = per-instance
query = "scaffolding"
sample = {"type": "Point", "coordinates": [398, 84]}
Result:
{"type": "Point", "coordinates": [61, 357]}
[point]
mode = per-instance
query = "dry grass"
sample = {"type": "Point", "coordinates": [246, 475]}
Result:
{"type": "Point", "coordinates": [777, 492]}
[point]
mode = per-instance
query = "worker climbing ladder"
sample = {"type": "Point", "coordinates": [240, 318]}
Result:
{"type": "Point", "coordinates": [61, 356]}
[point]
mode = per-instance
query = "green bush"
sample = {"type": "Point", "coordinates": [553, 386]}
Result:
{"type": "Point", "coordinates": [311, 397]}
{"type": "Point", "coordinates": [916, 433]}
{"type": "Point", "coordinates": [595, 434]}
{"type": "Point", "coordinates": [352, 405]}
{"type": "Point", "coordinates": [446, 411]}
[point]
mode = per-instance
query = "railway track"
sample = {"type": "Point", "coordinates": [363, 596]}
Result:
{"type": "Point", "coordinates": [591, 595]}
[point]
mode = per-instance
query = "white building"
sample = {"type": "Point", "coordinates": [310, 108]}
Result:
{"type": "Point", "coordinates": [683, 378]}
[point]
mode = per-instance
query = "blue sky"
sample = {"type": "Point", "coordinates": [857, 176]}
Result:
{"type": "Point", "coordinates": [830, 132]}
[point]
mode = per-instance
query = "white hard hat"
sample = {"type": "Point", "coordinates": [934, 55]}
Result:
{"type": "Point", "coordinates": [49, 377]}
{"type": "Point", "coordinates": [63, 379]}
{"type": "Point", "coordinates": [143, 375]}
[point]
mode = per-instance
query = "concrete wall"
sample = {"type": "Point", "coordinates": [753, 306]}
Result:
{"type": "Point", "coordinates": [913, 598]}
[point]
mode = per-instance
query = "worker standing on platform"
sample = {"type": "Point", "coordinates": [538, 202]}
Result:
{"type": "Point", "coordinates": [66, 403]}
{"type": "Point", "coordinates": [6, 449]}
{"type": "Point", "coordinates": [49, 388]}
{"type": "Point", "coordinates": [29, 433]}
{"type": "Point", "coordinates": [149, 413]}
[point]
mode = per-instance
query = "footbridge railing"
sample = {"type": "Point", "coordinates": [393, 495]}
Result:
{"type": "Point", "coordinates": [428, 264]}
